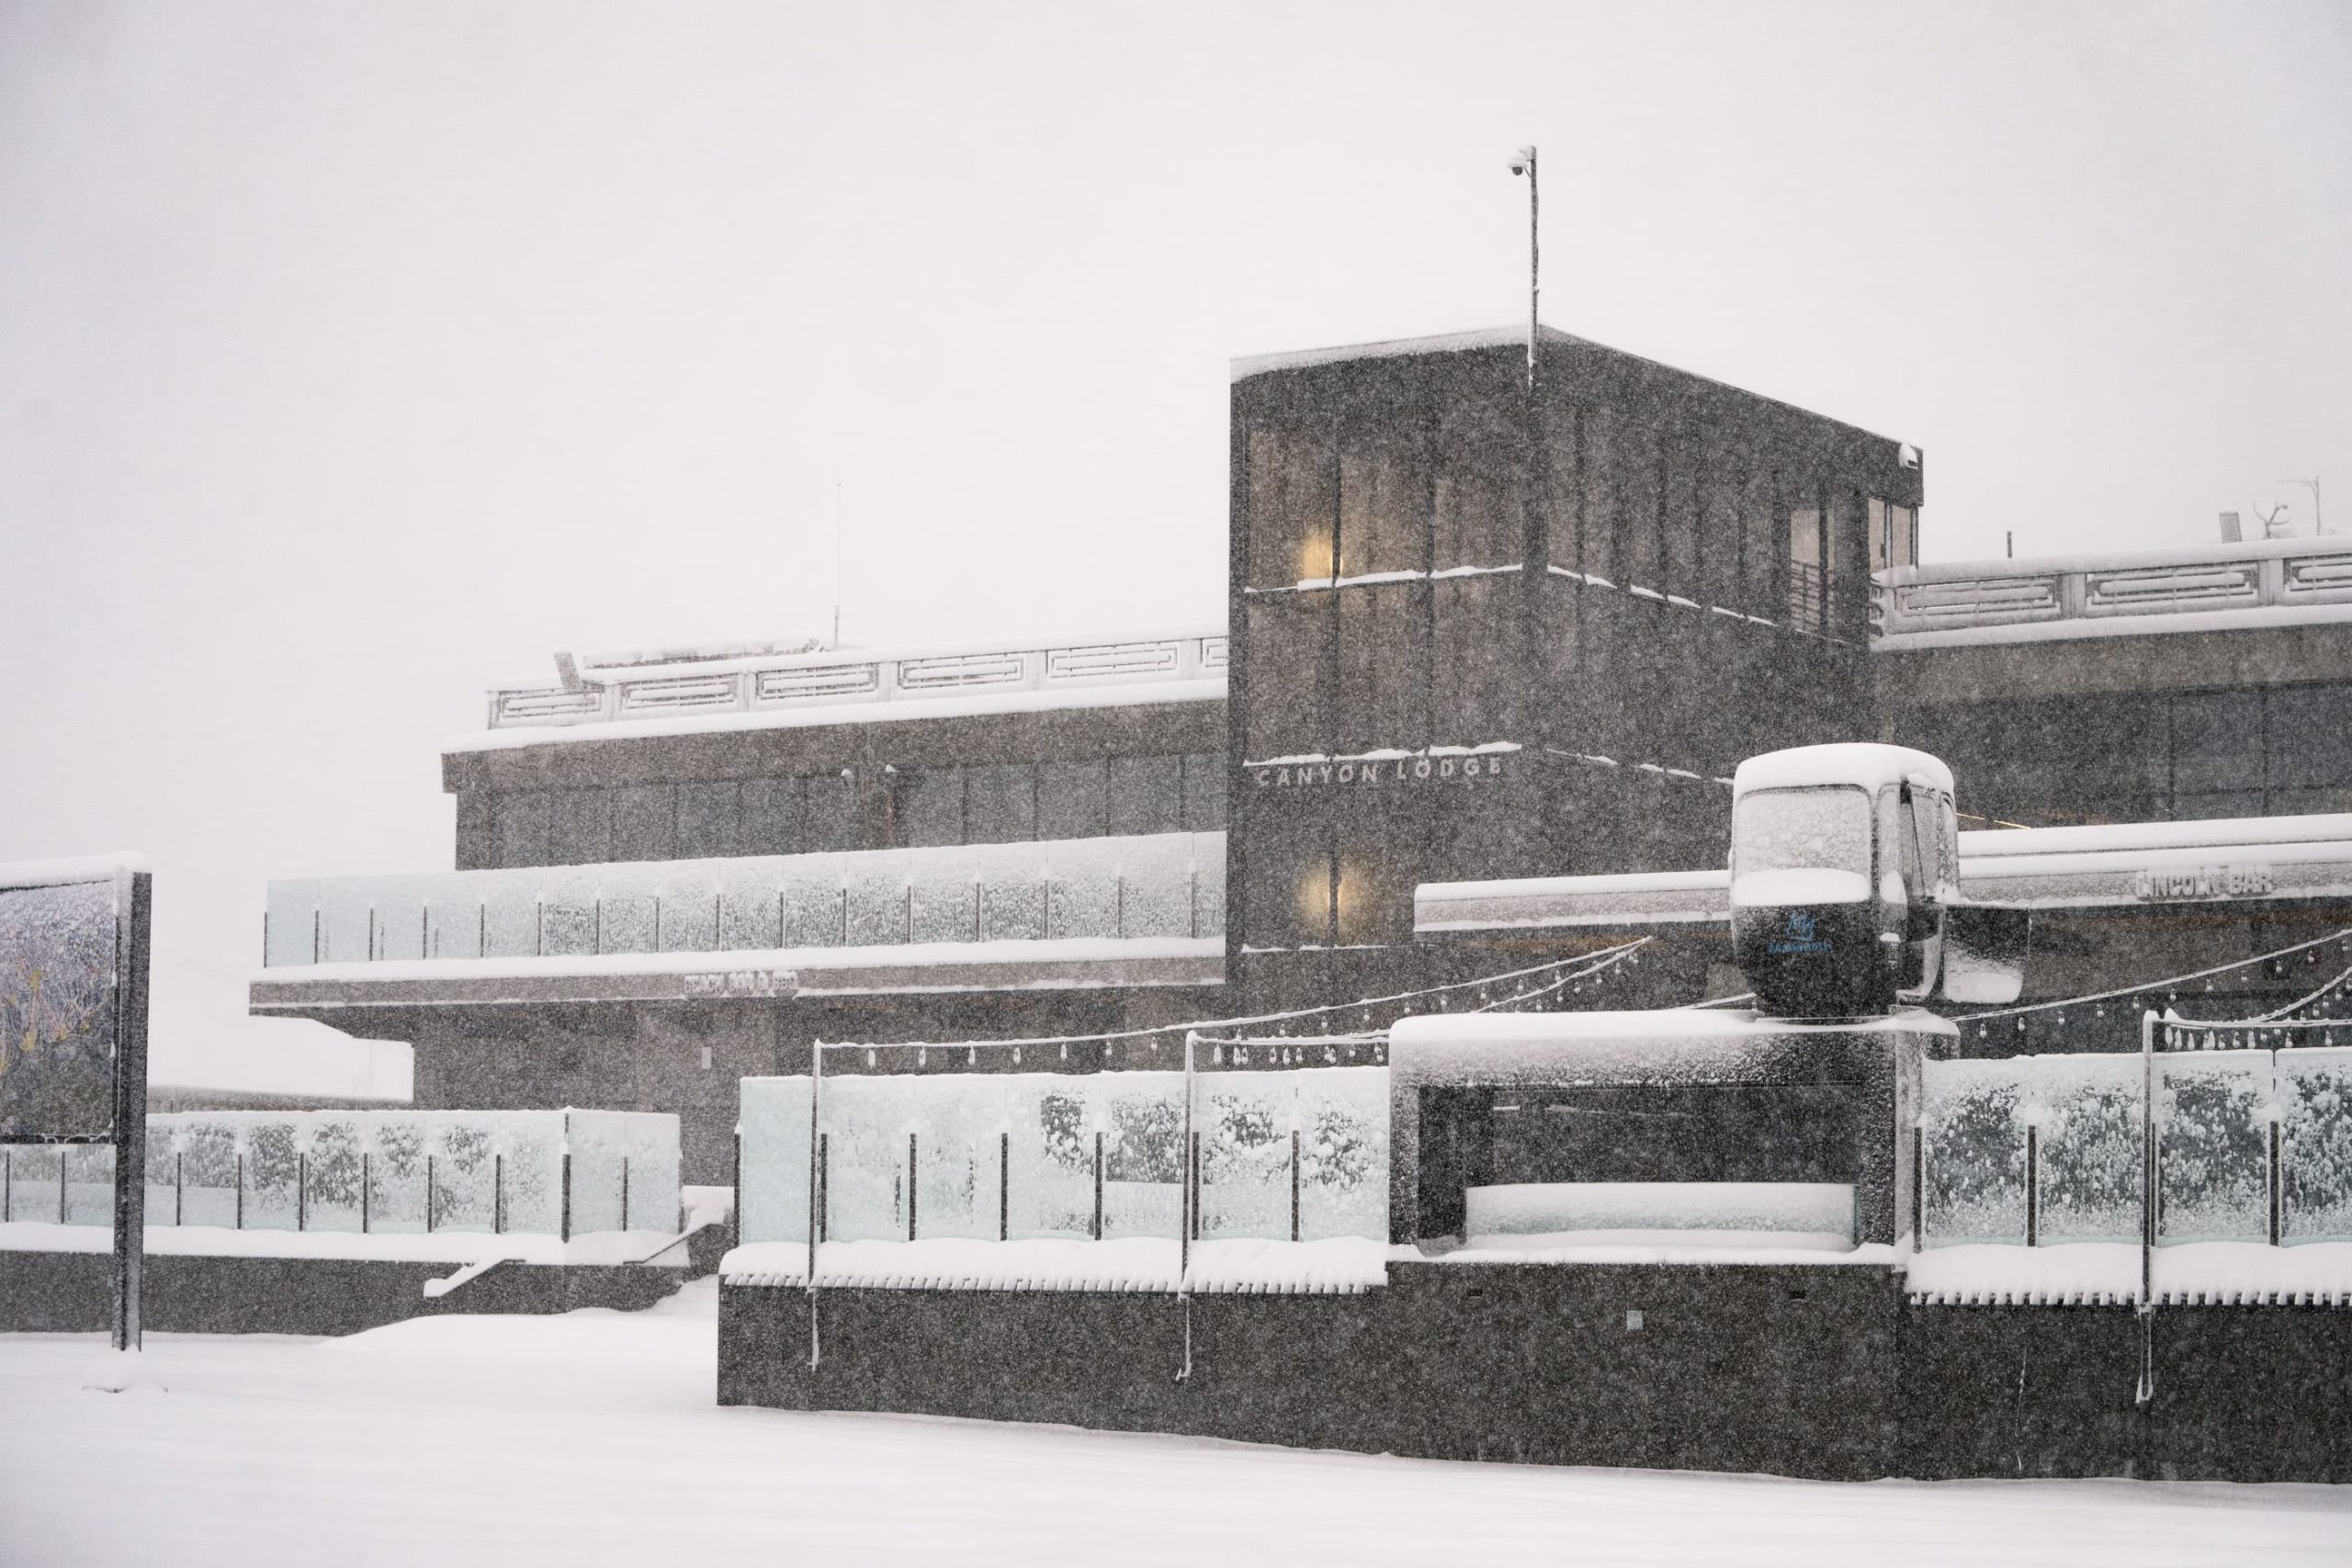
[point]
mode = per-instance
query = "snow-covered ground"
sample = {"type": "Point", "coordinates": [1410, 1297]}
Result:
{"type": "Point", "coordinates": [592, 1439]}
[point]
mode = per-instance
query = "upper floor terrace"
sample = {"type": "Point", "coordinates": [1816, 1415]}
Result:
{"type": "Point", "coordinates": [2187, 588]}
{"type": "Point", "coordinates": [759, 686]}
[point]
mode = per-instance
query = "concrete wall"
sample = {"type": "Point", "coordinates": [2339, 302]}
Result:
{"type": "Point", "coordinates": [1820, 1372]}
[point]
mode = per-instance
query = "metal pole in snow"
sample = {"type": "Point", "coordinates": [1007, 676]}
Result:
{"type": "Point", "coordinates": [2147, 1310]}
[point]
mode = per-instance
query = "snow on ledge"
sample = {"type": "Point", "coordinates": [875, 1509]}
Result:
{"type": "Point", "coordinates": [74, 869]}
{"type": "Point", "coordinates": [2252, 618]}
{"type": "Point", "coordinates": [820, 715]}
{"type": "Point", "coordinates": [1337, 1266]}
{"type": "Point", "coordinates": [1740, 1248]}
{"type": "Point", "coordinates": [2100, 1273]}
{"type": "Point", "coordinates": [915, 955]}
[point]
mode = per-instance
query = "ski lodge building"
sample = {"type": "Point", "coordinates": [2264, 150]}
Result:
{"type": "Point", "coordinates": [1477, 641]}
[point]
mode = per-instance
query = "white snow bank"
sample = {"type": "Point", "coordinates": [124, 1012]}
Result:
{"type": "Point", "coordinates": [592, 1438]}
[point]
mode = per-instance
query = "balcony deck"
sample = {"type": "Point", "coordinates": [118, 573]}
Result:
{"type": "Point", "coordinates": [710, 690]}
{"type": "Point", "coordinates": [1145, 910]}
{"type": "Point", "coordinates": [2191, 588]}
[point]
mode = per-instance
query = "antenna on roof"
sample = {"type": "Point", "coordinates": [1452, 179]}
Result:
{"type": "Point", "coordinates": [837, 564]}
{"type": "Point", "coordinates": [1523, 163]}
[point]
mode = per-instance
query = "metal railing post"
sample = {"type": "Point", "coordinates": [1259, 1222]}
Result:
{"type": "Point", "coordinates": [2148, 1194]}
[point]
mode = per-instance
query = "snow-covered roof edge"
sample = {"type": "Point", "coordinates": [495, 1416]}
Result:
{"type": "Point", "coordinates": [818, 714]}
{"type": "Point", "coordinates": [70, 869]}
{"type": "Point", "coordinates": [1244, 367]}
{"type": "Point", "coordinates": [1870, 764]}
{"type": "Point", "coordinates": [822, 658]}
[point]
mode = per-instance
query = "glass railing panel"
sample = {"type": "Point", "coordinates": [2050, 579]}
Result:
{"type": "Point", "coordinates": [2315, 1143]}
{"type": "Point", "coordinates": [686, 916]}
{"type": "Point", "coordinates": [1343, 1153]}
{"type": "Point", "coordinates": [863, 1121]}
{"type": "Point", "coordinates": [1975, 1158]}
{"type": "Point", "coordinates": [335, 1150]}
{"type": "Point", "coordinates": [399, 903]}
{"type": "Point", "coordinates": [1143, 1168]}
{"type": "Point", "coordinates": [1157, 887]}
{"type": "Point", "coordinates": [396, 1149]}
{"type": "Point", "coordinates": [211, 1175]}
{"type": "Point", "coordinates": [877, 900]}
{"type": "Point", "coordinates": [943, 897]}
{"type": "Point", "coordinates": [627, 920]}
{"type": "Point", "coordinates": [570, 918]}
{"type": "Point", "coordinates": [1013, 893]}
{"type": "Point", "coordinates": [292, 928]}
{"type": "Point", "coordinates": [511, 916]}
{"type": "Point", "coordinates": [1246, 1121]}
{"type": "Point", "coordinates": [2088, 1110]}
{"type": "Point", "coordinates": [1085, 893]}
{"type": "Point", "coordinates": [346, 920]}
{"type": "Point", "coordinates": [456, 921]}
{"type": "Point", "coordinates": [773, 1121]}
{"type": "Point", "coordinates": [2213, 1110]}
{"type": "Point", "coordinates": [814, 906]}
{"type": "Point", "coordinates": [273, 1172]}
{"type": "Point", "coordinates": [1208, 885]}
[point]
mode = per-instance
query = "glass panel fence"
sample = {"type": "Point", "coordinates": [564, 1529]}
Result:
{"type": "Point", "coordinates": [2315, 1108]}
{"type": "Point", "coordinates": [373, 1171]}
{"type": "Point", "coordinates": [1164, 885]}
{"type": "Point", "coordinates": [1021, 1155]}
{"type": "Point", "coordinates": [1974, 1159]}
{"type": "Point", "coordinates": [2213, 1113]}
{"type": "Point", "coordinates": [2088, 1113]}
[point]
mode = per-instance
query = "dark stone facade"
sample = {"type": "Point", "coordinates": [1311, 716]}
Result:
{"type": "Point", "coordinates": [1819, 1372]}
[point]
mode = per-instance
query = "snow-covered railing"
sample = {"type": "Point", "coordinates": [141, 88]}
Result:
{"type": "Point", "coordinates": [764, 683]}
{"type": "Point", "coordinates": [559, 1173]}
{"type": "Point", "coordinates": [1148, 885]}
{"type": "Point", "coordinates": [2251, 1145]}
{"type": "Point", "coordinates": [967, 1175]}
{"type": "Point", "coordinates": [2098, 595]}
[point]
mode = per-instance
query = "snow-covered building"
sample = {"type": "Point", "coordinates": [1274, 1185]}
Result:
{"type": "Point", "coordinates": [677, 869]}
{"type": "Point", "coordinates": [1485, 633]}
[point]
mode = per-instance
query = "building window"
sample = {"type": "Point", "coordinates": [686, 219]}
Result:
{"type": "Point", "coordinates": [1293, 506]}
{"type": "Point", "coordinates": [1808, 593]}
{"type": "Point", "coordinates": [1384, 514]}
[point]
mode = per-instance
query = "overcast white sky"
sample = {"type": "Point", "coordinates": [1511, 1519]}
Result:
{"type": "Point", "coordinates": [352, 356]}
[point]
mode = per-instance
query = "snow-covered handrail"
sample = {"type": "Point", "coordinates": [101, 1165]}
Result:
{"type": "Point", "coordinates": [766, 683]}
{"type": "Point", "coordinates": [2273, 580]}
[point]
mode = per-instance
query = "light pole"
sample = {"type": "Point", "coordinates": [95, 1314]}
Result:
{"type": "Point", "coordinates": [1523, 163]}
